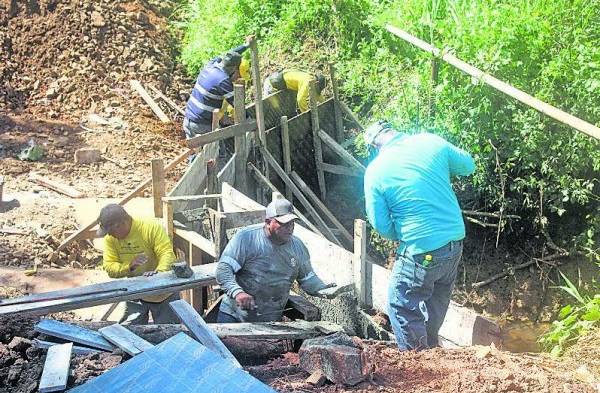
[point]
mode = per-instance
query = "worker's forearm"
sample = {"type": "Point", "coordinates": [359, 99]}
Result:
{"type": "Point", "coordinates": [226, 279]}
{"type": "Point", "coordinates": [116, 269]}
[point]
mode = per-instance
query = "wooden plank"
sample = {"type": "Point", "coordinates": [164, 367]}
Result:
{"type": "Point", "coordinates": [519, 95]}
{"type": "Point", "coordinates": [242, 219]}
{"type": "Point", "coordinates": [109, 292]}
{"type": "Point", "coordinates": [56, 186]}
{"type": "Point", "coordinates": [363, 273]}
{"type": "Point", "coordinates": [339, 121]}
{"type": "Point", "coordinates": [222, 133]}
{"type": "Point", "coordinates": [200, 330]}
{"type": "Point", "coordinates": [218, 230]}
{"type": "Point", "coordinates": [196, 294]}
{"type": "Point", "coordinates": [157, 167]}
{"type": "Point", "coordinates": [298, 194]}
{"type": "Point", "coordinates": [124, 339]}
{"type": "Point", "coordinates": [260, 177]}
{"type": "Point", "coordinates": [194, 179]}
{"type": "Point", "coordinates": [340, 151]}
{"type": "Point", "coordinates": [317, 202]}
{"type": "Point", "coordinates": [287, 155]}
{"type": "Point", "coordinates": [137, 86]}
{"type": "Point", "coordinates": [73, 333]}
{"type": "Point", "coordinates": [193, 237]}
{"type": "Point", "coordinates": [258, 98]}
{"type": "Point", "coordinates": [169, 101]}
{"type": "Point", "coordinates": [351, 115]}
{"type": "Point", "coordinates": [125, 199]}
{"type": "Point", "coordinates": [168, 219]}
{"type": "Point", "coordinates": [191, 197]}
{"type": "Point", "coordinates": [56, 368]}
{"type": "Point", "coordinates": [228, 172]}
{"type": "Point", "coordinates": [314, 122]}
{"type": "Point", "coordinates": [179, 364]}
{"type": "Point", "coordinates": [341, 170]}
{"type": "Point", "coordinates": [77, 350]}
{"type": "Point", "coordinates": [240, 142]}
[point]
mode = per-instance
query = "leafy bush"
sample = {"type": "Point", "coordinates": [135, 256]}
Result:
{"type": "Point", "coordinates": [573, 320]}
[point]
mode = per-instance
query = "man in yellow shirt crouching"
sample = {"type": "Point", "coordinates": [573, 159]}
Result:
{"type": "Point", "coordinates": [135, 247]}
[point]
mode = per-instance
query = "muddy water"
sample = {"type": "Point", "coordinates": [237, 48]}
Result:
{"type": "Point", "coordinates": [518, 336]}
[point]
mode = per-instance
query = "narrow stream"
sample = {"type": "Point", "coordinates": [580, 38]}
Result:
{"type": "Point", "coordinates": [519, 336]}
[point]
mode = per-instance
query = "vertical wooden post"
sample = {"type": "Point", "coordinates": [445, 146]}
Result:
{"type": "Point", "coordinates": [260, 114]}
{"type": "Point", "coordinates": [241, 151]}
{"type": "Point", "coordinates": [158, 185]}
{"type": "Point", "coordinates": [287, 157]}
{"type": "Point", "coordinates": [339, 121]}
{"type": "Point", "coordinates": [215, 119]}
{"type": "Point", "coordinates": [363, 271]}
{"type": "Point", "coordinates": [196, 295]}
{"type": "Point", "coordinates": [212, 184]}
{"type": "Point", "coordinates": [435, 66]}
{"type": "Point", "coordinates": [168, 218]}
{"type": "Point", "coordinates": [314, 116]}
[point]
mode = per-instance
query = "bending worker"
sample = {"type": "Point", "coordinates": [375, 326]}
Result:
{"type": "Point", "coordinates": [135, 247]}
{"type": "Point", "coordinates": [409, 198]}
{"type": "Point", "coordinates": [214, 86]}
{"type": "Point", "coordinates": [298, 81]}
{"type": "Point", "coordinates": [259, 265]}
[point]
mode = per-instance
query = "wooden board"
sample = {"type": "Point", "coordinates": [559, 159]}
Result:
{"type": "Point", "coordinates": [112, 291]}
{"type": "Point", "coordinates": [56, 368]}
{"type": "Point", "coordinates": [77, 350]}
{"type": "Point", "coordinates": [178, 365]}
{"type": "Point", "coordinates": [200, 330]}
{"type": "Point", "coordinates": [56, 186]}
{"type": "Point", "coordinates": [227, 174]}
{"type": "Point", "coordinates": [124, 339]}
{"type": "Point", "coordinates": [222, 133]}
{"type": "Point", "coordinates": [73, 333]}
{"type": "Point", "coordinates": [137, 86]}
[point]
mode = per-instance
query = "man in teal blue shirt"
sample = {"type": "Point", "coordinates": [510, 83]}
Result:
{"type": "Point", "coordinates": [409, 198]}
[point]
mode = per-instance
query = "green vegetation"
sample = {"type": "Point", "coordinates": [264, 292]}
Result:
{"type": "Point", "coordinates": [574, 320]}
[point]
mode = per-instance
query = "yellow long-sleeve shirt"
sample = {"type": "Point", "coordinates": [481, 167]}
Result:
{"type": "Point", "coordinates": [147, 237]}
{"type": "Point", "coordinates": [300, 81]}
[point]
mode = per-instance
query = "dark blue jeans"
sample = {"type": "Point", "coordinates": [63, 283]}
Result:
{"type": "Point", "coordinates": [419, 295]}
{"type": "Point", "coordinates": [226, 318]}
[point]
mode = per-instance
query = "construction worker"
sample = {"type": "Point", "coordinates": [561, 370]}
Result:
{"type": "Point", "coordinates": [135, 247]}
{"type": "Point", "coordinates": [214, 86]}
{"type": "Point", "coordinates": [409, 198]}
{"type": "Point", "coordinates": [294, 80]}
{"type": "Point", "coordinates": [259, 265]}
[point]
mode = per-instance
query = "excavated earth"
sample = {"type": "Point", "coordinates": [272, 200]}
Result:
{"type": "Point", "coordinates": [65, 67]}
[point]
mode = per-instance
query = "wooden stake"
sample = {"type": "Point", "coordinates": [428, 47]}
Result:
{"type": "Point", "coordinates": [260, 112]}
{"type": "Point", "coordinates": [77, 235]}
{"type": "Point", "coordinates": [137, 86]}
{"type": "Point", "coordinates": [168, 219]}
{"type": "Point", "coordinates": [196, 294]}
{"type": "Point", "coordinates": [314, 116]}
{"type": "Point", "coordinates": [363, 271]}
{"type": "Point", "coordinates": [158, 184]}
{"type": "Point", "coordinates": [287, 156]}
{"type": "Point", "coordinates": [339, 121]}
{"type": "Point", "coordinates": [340, 151]}
{"type": "Point", "coordinates": [240, 141]}
{"type": "Point", "coordinates": [56, 186]}
{"type": "Point", "coordinates": [215, 122]}
{"type": "Point", "coordinates": [505, 88]}
{"type": "Point", "coordinates": [167, 100]}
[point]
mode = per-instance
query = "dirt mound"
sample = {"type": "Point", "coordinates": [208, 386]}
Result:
{"type": "Point", "coordinates": [59, 57]}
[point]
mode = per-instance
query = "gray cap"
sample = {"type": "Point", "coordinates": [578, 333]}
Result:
{"type": "Point", "coordinates": [281, 210]}
{"type": "Point", "coordinates": [110, 215]}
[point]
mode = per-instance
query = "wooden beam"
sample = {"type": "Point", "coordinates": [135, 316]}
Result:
{"type": "Point", "coordinates": [218, 230]}
{"type": "Point", "coordinates": [519, 95]}
{"type": "Point", "coordinates": [351, 115]}
{"type": "Point", "coordinates": [167, 100]}
{"type": "Point", "coordinates": [222, 133]}
{"type": "Point", "coordinates": [287, 155]}
{"type": "Point", "coordinates": [190, 197]}
{"type": "Point", "coordinates": [74, 333]}
{"type": "Point", "coordinates": [137, 86]}
{"type": "Point", "coordinates": [187, 235]}
{"type": "Point", "coordinates": [339, 121]}
{"type": "Point", "coordinates": [125, 339]}
{"type": "Point", "coordinates": [125, 199]}
{"type": "Point", "coordinates": [108, 292]}
{"type": "Point", "coordinates": [158, 184]}
{"type": "Point", "coordinates": [314, 117]}
{"type": "Point", "coordinates": [258, 98]}
{"type": "Point", "coordinates": [168, 219]}
{"type": "Point", "coordinates": [298, 194]}
{"type": "Point", "coordinates": [318, 203]}
{"type": "Point", "coordinates": [77, 350]}
{"type": "Point", "coordinates": [261, 178]}
{"type": "Point", "coordinates": [227, 173]}
{"type": "Point", "coordinates": [340, 151]}
{"type": "Point", "coordinates": [240, 141]}
{"type": "Point", "coordinates": [196, 294]}
{"type": "Point", "coordinates": [200, 330]}
{"type": "Point", "coordinates": [363, 274]}
{"type": "Point", "coordinates": [341, 170]}
{"type": "Point", "coordinates": [56, 186]}
{"type": "Point", "coordinates": [56, 368]}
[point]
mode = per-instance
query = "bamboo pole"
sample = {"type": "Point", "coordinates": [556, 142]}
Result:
{"type": "Point", "coordinates": [547, 109]}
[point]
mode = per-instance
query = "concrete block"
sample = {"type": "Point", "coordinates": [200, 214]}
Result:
{"type": "Point", "coordinates": [87, 156]}
{"type": "Point", "coordinates": [336, 356]}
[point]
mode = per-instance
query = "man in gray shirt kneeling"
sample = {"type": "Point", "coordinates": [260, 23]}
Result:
{"type": "Point", "coordinates": [259, 265]}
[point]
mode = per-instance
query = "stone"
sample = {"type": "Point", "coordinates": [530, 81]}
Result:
{"type": "Point", "coordinates": [316, 379]}
{"type": "Point", "coordinates": [19, 344]}
{"type": "Point", "coordinates": [87, 156]}
{"type": "Point", "coordinates": [97, 19]}
{"type": "Point", "coordinates": [337, 357]}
